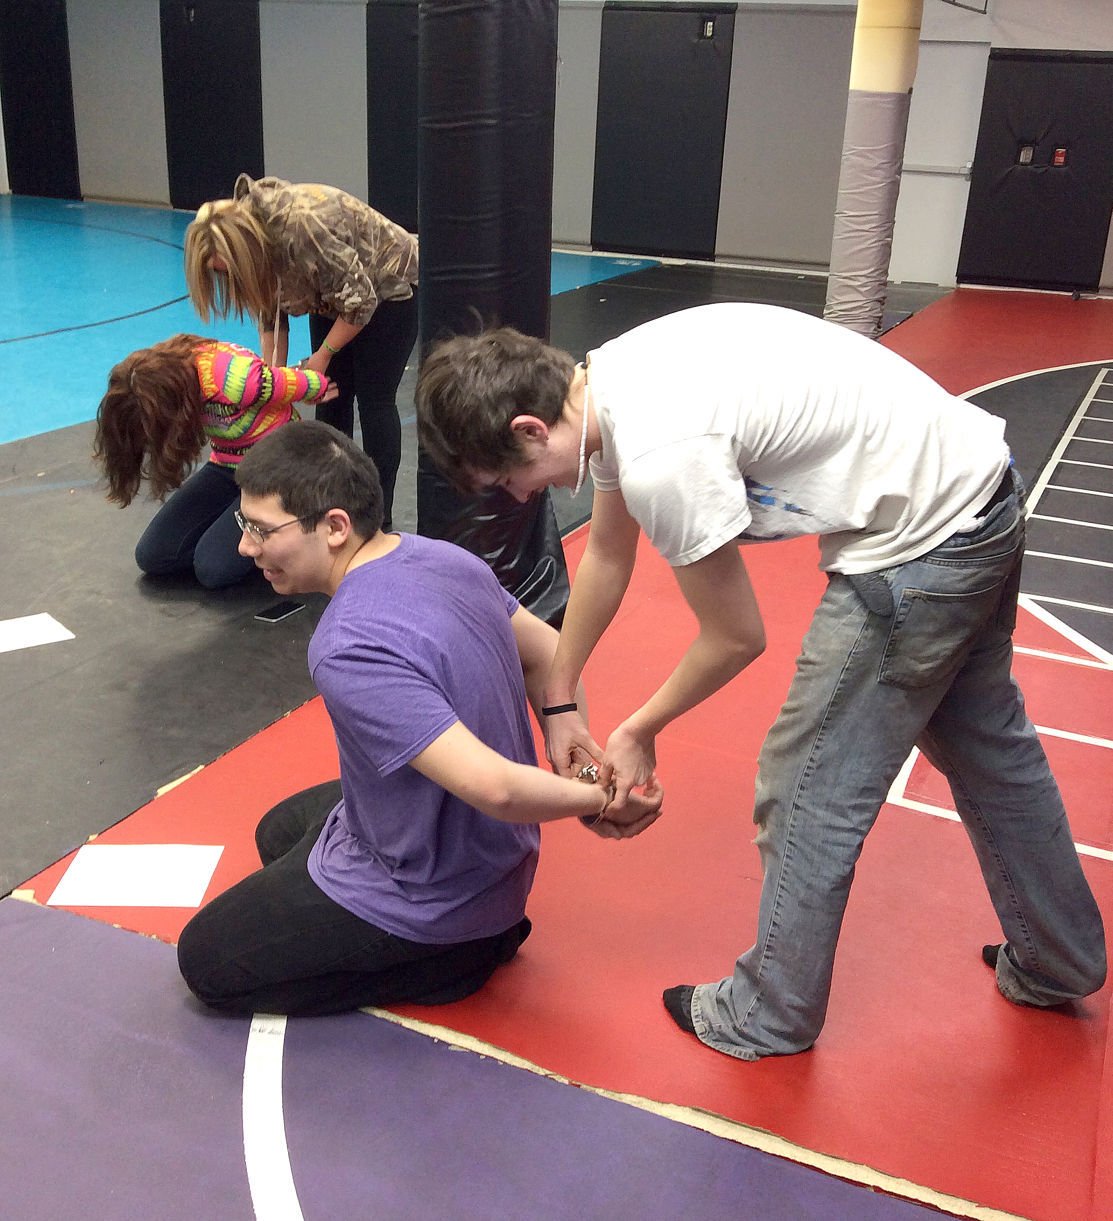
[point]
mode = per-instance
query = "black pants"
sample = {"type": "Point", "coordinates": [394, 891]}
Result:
{"type": "Point", "coordinates": [368, 371]}
{"type": "Point", "coordinates": [276, 943]}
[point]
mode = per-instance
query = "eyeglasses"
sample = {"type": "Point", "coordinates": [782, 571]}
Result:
{"type": "Point", "coordinates": [261, 533]}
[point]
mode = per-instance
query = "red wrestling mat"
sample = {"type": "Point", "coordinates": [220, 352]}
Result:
{"type": "Point", "coordinates": [220, 804]}
{"type": "Point", "coordinates": [976, 336]}
{"type": "Point", "coordinates": [923, 1071]}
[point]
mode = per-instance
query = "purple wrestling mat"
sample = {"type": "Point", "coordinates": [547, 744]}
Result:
{"type": "Point", "coordinates": [122, 1099]}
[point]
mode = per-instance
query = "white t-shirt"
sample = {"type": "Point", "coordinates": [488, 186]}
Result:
{"type": "Point", "coordinates": [755, 421]}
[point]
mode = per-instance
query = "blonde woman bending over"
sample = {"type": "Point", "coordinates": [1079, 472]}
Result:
{"type": "Point", "coordinates": [278, 248]}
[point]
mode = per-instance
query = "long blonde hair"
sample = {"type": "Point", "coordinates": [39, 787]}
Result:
{"type": "Point", "coordinates": [229, 230]}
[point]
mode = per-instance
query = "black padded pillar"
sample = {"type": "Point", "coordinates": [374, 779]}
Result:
{"type": "Point", "coordinates": [392, 109]}
{"type": "Point", "coordinates": [486, 100]}
{"type": "Point", "coordinates": [36, 95]}
{"type": "Point", "coordinates": [212, 88]}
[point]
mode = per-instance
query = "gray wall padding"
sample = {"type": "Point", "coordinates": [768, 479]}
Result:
{"type": "Point", "coordinates": [116, 64]}
{"type": "Point", "coordinates": [873, 150]}
{"type": "Point", "coordinates": [314, 59]}
{"type": "Point", "coordinates": [788, 89]}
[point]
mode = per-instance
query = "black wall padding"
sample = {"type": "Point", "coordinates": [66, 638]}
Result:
{"type": "Point", "coordinates": [37, 96]}
{"type": "Point", "coordinates": [212, 88]}
{"type": "Point", "coordinates": [1040, 225]}
{"type": "Point", "coordinates": [664, 80]}
{"type": "Point", "coordinates": [392, 109]}
{"type": "Point", "coordinates": [487, 97]}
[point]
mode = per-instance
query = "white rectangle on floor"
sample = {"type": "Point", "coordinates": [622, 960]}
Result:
{"type": "Point", "coordinates": [137, 875]}
{"type": "Point", "coordinates": [30, 630]}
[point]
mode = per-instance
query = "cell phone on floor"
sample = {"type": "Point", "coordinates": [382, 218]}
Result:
{"type": "Point", "coordinates": [280, 611]}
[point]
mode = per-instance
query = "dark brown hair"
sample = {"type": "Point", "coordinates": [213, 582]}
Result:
{"type": "Point", "coordinates": [472, 386]}
{"type": "Point", "coordinates": [312, 468]}
{"type": "Point", "coordinates": [150, 424]}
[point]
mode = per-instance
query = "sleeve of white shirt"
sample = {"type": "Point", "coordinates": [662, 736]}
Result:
{"type": "Point", "coordinates": [689, 497]}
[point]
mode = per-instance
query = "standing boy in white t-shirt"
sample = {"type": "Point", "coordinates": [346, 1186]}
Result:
{"type": "Point", "coordinates": [751, 423]}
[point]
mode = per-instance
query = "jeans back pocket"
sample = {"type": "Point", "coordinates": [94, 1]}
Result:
{"type": "Point", "coordinates": [932, 632]}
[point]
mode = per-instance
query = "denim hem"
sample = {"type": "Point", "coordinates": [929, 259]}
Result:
{"type": "Point", "coordinates": [710, 1038]}
{"type": "Point", "coordinates": [1015, 988]}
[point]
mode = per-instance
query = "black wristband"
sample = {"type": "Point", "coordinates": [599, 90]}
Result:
{"type": "Point", "coordinates": [553, 709]}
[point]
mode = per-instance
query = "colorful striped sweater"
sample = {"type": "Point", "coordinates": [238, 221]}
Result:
{"type": "Point", "coordinates": [246, 399]}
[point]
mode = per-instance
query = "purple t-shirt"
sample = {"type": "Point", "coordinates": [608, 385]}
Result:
{"type": "Point", "coordinates": [412, 643]}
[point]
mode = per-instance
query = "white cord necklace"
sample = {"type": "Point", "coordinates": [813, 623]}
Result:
{"type": "Point", "coordinates": [583, 442]}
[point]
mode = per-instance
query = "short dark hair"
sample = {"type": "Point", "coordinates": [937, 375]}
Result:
{"type": "Point", "coordinates": [470, 388]}
{"type": "Point", "coordinates": [311, 468]}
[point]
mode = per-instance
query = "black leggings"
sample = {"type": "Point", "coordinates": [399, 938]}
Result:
{"type": "Point", "coordinates": [367, 371]}
{"type": "Point", "coordinates": [276, 943]}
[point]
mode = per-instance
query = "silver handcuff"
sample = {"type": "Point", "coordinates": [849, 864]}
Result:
{"type": "Point", "coordinates": [590, 774]}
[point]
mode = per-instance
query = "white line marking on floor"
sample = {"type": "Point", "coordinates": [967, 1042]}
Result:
{"type": "Point", "coordinates": [1097, 466]}
{"type": "Point", "coordinates": [266, 1154]}
{"type": "Point", "coordinates": [1056, 624]}
{"type": "Point", "coordinates": [1070, 559]}
{"type": "Point", "coordinates": [1086, 663]}
{"type": "Point", "coordinates": [1072, 521]}
{"type": "Point", "coordinates": [897, 797]}
{"type": "Point", "coordinates": [1085, 738]}
{"type": "Point", "coordinates": [1020, 377]}
{"type": "Point", "coordinates": [1068, 435]}
{"type": "Point", "coordinates": [30, 630]}
{"type": "Point", "coordinates": [1062, 487]}
{"type": "Point", "coordinates": [1086, 606]}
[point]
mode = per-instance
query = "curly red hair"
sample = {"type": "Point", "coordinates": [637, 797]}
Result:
{"type": "Point", "coordinates": [149, 424]}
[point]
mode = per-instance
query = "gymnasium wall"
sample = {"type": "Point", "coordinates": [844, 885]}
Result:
{"type": "Point", "coordinates": [784, 134]}
{"type": "Point", "coordinates": [314, 58]}
{"type": "Point", "coordinates": [946, 108]}
{"type": "Point", "coordinates": [116, 66]}
{"type": "Point", "coordinates": [782, 143]}
{"type": "Point", "coordinates": [782, 126]}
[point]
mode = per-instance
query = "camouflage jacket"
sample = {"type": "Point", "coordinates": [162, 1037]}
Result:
{"type": "Point", "coordinates": [333, 253]}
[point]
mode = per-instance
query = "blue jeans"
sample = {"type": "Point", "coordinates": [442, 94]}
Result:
{"type": "Point", "coordinates": [928, 665]}
{"type": "Point", "coordinates": [195, 529]}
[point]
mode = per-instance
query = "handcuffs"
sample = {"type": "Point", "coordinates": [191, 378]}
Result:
{"type": "Point", "coordinates": [589, 773]}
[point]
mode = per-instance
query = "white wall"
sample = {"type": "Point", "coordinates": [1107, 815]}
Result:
{"type": "Point", "coordinates": [1050, 25]}
{"type": "Point", "coordinates": [314, 66]}
{"type": "Point", "coordinates": [946, 110]}
{"type": "Point", "coordinates": [579, 36]}
{"type": "Point", "coordinates": [119, 117]}
{"type": "Point", "coordinates": [939, 148]}
{"type": "Point", "coordinates": [790, 72]}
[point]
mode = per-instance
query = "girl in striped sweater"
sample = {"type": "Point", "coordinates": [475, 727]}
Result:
{"type": "Point", "coordinates": [164, 403]}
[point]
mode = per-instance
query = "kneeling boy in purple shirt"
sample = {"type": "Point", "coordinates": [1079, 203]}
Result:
{"type": "Point", "coordinates": [406, 880]}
